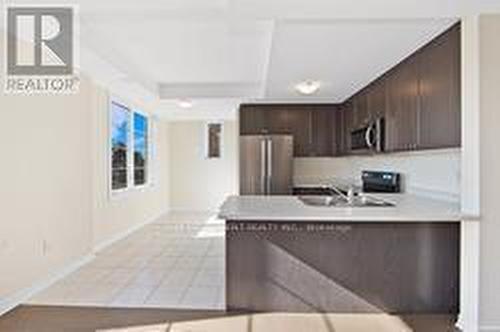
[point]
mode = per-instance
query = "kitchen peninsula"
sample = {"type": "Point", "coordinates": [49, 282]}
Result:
{"type": "Point", "coordinates": [284, 255]}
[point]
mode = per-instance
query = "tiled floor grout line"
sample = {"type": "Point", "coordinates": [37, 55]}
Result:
{"type": "Point", "coordinates": [128, 285]}
{"type": "Point", "coordinates": [189, 284]}
{"type": "Point", "coordinates": [194, 275]}
{"type": "Point", "coordinates": [159, 284]}
{"type": "Point", "coordinates": [143, 268]}
{"type": "Point", "coordinates": [137, 267]}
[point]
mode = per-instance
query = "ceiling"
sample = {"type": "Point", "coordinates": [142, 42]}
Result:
{"type": "Point", "coordinates": [219, 52]}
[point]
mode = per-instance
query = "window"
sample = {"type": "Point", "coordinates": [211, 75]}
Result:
{"type": "Point", "coordinates": [140, 149]}
{"type": "Point", "coordinates": [214, 131]}
{"type": "Point", "coordinates": [129, 148]}
{"type": "Point", "coordinates": [120, 124]}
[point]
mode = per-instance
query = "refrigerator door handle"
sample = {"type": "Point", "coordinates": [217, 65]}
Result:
{"type": "Point", "coordinates": [263, 173]}
{"type": "Point", "coordinates": [269, 165]}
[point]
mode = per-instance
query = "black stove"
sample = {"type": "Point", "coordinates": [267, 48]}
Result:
{"type": "Point", "coordinates": [381, 182]}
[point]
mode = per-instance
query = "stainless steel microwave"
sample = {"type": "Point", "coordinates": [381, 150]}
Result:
{"type": "Point", "coordinates": [369, 139]}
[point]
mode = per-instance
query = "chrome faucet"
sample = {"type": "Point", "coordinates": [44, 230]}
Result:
{"type": "Point", "coordinates": [351, 193]}
{"type": "Point", "coordinates": [339, 192]}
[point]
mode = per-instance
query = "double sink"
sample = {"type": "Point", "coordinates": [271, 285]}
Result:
{"type": "Point", "coordinates": [334, 197]}
{"type": "Point", "coordinates": [339, 201]}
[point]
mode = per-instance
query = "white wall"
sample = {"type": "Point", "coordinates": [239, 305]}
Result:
{"type": "Point", "coordinates": [490, 172]}
{"type": "Point", "coordinates": [54, 202]}
{"type": "Point", "coordinates": [45, 196]}
{"type": "Point", "coordinates": [198, 183]}
{"type": "Point", "coordinates": [433, 173]}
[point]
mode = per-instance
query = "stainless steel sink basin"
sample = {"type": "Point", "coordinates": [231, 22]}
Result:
{"type": "Point", "coordinates": [339, 201]}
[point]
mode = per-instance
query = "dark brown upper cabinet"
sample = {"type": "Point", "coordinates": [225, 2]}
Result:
{"type": "Point", "coordinates": [361, 115]}
{"type": "Point", "coordinates": [311, 125]}
{"type": "Point", "coordinates": [376, 99]}
{"type": "Point", "coordinates": [299, 124]}
{"type": "Point", "coordinates": [254, 120]}
{"type": "Point", "coordinates": [343, 122]}
{"type": "Point", "coordinates": [440, 105]}
{"type": "Point", "coordinates": [419, 98]}
{"type": "Point", "coordinates": [322, 131]}
{"type": "Point", "coordinates": [402, 107]}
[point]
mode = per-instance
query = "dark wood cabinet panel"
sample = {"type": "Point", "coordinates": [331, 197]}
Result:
{"type": "Point", "coordinates": [340, 135]}
{"type": "Point", "coordinates": [300, 127]}
{"type": "Point", "coordinates": [361, 116]}
{"type": "Point", "coordinates": [402, 106]}
{"type": "Point", "coordinates": [280, 120]}
{"type": "Point", "coordinates": [253, 120]}
{"type": "Point", "coordinates": [323, 133]}
{"type": "Point", "coordinates": [440, 120]}
{"type": "Point", "coordinates": [311, 125]}
{"type": "Point", "coordinates": [343, 267]}
{"type": "Point", "coordinates": [344, 125]}
{"type": "Point", "coordinates": [376, 99]}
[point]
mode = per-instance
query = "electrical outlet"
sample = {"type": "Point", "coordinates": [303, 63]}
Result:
{"type": "Point", "coordinates": [4, 246]}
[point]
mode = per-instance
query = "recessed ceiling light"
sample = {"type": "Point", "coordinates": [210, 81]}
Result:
{"type": "Point", "coordinates": [184, 103]}
{"type": "Point", "coordinates": [308, 87]}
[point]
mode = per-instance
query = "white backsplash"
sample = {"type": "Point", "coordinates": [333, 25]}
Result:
{"type": "Point", "coordinates": [433, 173]}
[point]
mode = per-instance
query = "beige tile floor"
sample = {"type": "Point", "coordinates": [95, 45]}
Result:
{"type": "Point", "coordinates": [175, 262]}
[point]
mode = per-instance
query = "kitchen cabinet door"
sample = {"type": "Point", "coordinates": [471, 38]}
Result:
{"type": "Point", "coordinates": [348, 126]}
{"type": "Point", "coordinates": [254, 120]}
{"type": "Point", "coordinates": [299, 122]}
{"type": "Point", "coordinates": [361, 116]}
{"type": "Point", "coordinates": [311, 125]}
{"type": "Point", "coordinates": [323, 136]}
{"type": "Point", "coordinates": [279, 120]}
{"type": "Point", "coordinates": [402, 106]}
{"type": "Point", "coordinates": [376, 99]}
{"type": "Point", "coordinates": [440, 106]}
{"type": "Point", "coordinates": [266, 119]}
{"type": "Point", "coordinates": [340, 135]}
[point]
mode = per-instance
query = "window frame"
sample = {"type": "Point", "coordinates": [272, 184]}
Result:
{"type": "Point", "coordinates": [130, 149]}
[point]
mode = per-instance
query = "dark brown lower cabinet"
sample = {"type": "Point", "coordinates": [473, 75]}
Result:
{"type": "Point", "coordinates": [343, 267]}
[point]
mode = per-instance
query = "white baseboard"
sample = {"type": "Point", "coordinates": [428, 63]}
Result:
{"type": "Point", "coordinates": [23, 295]}
{"type": "Point", "coordinates": [120, 236]}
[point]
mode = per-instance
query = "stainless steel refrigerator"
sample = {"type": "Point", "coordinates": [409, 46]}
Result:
{"type": "Point", "coordinates": [266, 165]}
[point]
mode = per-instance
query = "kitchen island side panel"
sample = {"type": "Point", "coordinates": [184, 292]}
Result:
{"type": "Point", "coordinates": [343, 267]}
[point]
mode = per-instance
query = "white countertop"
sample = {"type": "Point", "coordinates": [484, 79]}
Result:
{"type": "Point", "coordinates": [409, 208]}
